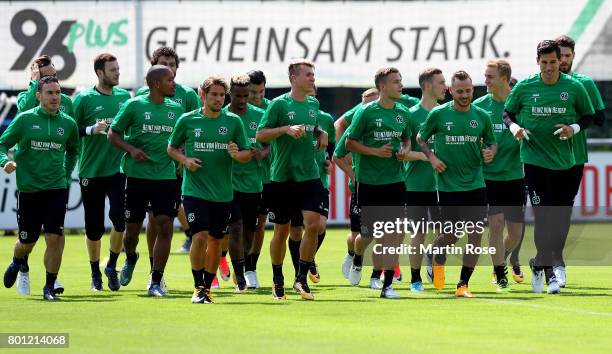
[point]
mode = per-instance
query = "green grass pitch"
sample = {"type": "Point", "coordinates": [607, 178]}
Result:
{"type": "Point", "coordinates": [341, 319]}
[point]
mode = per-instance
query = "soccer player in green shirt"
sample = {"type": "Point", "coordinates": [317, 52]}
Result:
{"type": "Point", "coordinates": [189, 100]}
{"type": "Point", "coordinates": [459, 127]}
{"type": "Point", "coordinates": [380, 134]}
{"type": "Point", "coordinates": [290, 124]}
{"type": "Point", "coordinates": [579, 142]}
{"type": "Point", "coordinates": [48, 142]}
{"type": "Point", "coordinates": [99, 166]}
{"type": "Point", "coordinates": [545, 111]}
{"type": "Point", "coordinates": [213, 139]}
{"type": "Point", "coordinates": [141, 128]}
{"type": "Point", "coordinates": [41, 67]}
{"type": "Point", "coordinates": [421, 193]}
{"type": "Point", "coordinates": [506, 192]}
{"type": "Point", "coordinates": [247, 181]}
{"type": "Point", "coordinates": [257, 98]}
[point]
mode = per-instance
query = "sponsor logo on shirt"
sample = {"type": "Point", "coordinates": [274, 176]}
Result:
{"type": "Point", "coordinates": [499, 127]}
{"type": "Point", "coordinates": [547, 111]}
{"type": "Point", "coordinates": [209, 146]}
{"type": "Point", "coordinates": [156, 129]}
{"type": "Point", "coordinates": [460, 139]}
{"type": "Point", "coordinates": [35, 127]}
{"type": "Point", "coordinates": [386, 135]}
{"type": "Point", "coordinates": [44, 145]}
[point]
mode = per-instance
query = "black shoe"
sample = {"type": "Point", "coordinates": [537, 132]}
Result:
{"type": "Point", "coordinates": [49, 294]}
{"type": "Point", "coordinates": [278, 290]}
{"type": "Point", "coordinates": [96, 282]}
{"type": "Point", "coordinates": [10, 275]}
{"type": "Point", "coordinates": [113, 280]}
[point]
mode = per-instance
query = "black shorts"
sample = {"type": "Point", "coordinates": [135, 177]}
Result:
{"type": "Point", "coordinates": [577, 172]}
{"type": "Point", "coordinates": [288, 198]}
{"type": "Point", "coordinates": [422, 206]}
{"type": "Point", "coordinates": [266, 196]}
{"type": "Point", "coordinates": [463, 206]}
{"type": "Point", "coordinates": [381, 195]}
{"type": "Point", "coordinates": [203, 215]}
{"type": "Point", "coordinates": [245, 207]}
{"type": "Point", "coordinates": [44, 209]}
{"type": "Point", "coordinates": [355, 214]}
{"type": "Point", "coordinates": [178, 198]}
{"type": "Point", "coordinates": [325, 203]}
{"type": "Point", "coordinates": [94, 192]}
{"type": "Point", "coordinates": [159, 194]}
{"type": "Point", "coordinates": [508, 198]}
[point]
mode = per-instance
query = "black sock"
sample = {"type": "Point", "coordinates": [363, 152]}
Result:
{"type": "Point", "coordinates": [50, 281]}
{"type": "Point", "coordinates": [294, 250]}
{"type": "Point", "coordinates": [320, 240]}
{"type": "Point", "coordinates": [131, 257]}
{"type": "Point", "coordinates": [548, 273]}
{"type": "Point", "coordinates": [223, 253]}
{"type": "Point", "coordinates": [95, 267]}
{"type": "Point", "coordinates": [351, 253]}
{"type": "Point", "coordinates": [151, 262]}
{"type": "Point", "coordinates": [277, 274]}
{"type": "Point", "coordinates": [500, 272]}
{"type": "Point", "coordinates": [415, 274]}
{"type": "Point", "coordinates": [247, 263]}
{"type": "Point", "coordinates": [198, 277]}
{"type": "Point", "coordinates": [388, 278]}
{"type": "Point", "coordinates": [156, 276]}
{"type": "Point", "coordinates": [376, 273]}
{"type": "Point", "coordinates": [466, 273]}
{"type": "Point", "coordinates": [358, 260]}
{"type": "Point", "coordinates": [112, 260]}
{"type": "Point", "coordinates": [303, 268]}
{"type": "Point", "coordinates": [254, 259]}
{"type": "Point", "coordinates": [239, 270]}
{"type": "Point", "coordinates": [22, 263]}
{"type": "Point", "coordinates": [188, 233]}
{"type": "Point", "coordinates": [208, 279]}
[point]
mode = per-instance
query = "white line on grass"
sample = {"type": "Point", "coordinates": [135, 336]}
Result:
{"type": "Point", "coordinates": [546, 307]}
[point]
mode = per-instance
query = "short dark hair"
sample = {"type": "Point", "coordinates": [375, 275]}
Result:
{"type": "Point", "coordinates": [257, 77]}
{"type": "Point", "coordinates": [45, 80]}
{"type": "Point", "coordinates": [43, 60]}
{"type": "Point", "coordinates": [164, 52]}
{"type": "Point", "coordinates": [512, 81]}
{"type": "Point", "coordinates": [381, 75]}
{"type": "Point", "coordinates": [565, 41]}
{"type": "Point", "coordinates": [213, 80]}
{"type": "Point", "coordinates": [240, 81]}
{"type": "Point", "coordinates": [427, 75]}
{"type": "Point", "coordinates": [547, 46]}
{"type": "Point", "coordinates": [460, 75]}
{"type": "Point", "coordinates": [101, 59]}
{"type": "Point", "coordinates": [155, 73]}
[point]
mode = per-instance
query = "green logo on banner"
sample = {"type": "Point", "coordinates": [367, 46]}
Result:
{"type": "Point", "coordinates": [96, 36]}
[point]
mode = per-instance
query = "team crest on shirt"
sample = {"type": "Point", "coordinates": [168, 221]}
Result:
{"type": "Point", "coordinates": [23, 235]}
{"type": "Point", "coordinates": [223, 130]}
{"type": "Point", "coordinates": [564, 96]}
{"type": "Point", "coordinates": [170, 115]}
{"type": "Point", "coordinates": [178, 100]}
{"type": "Point", "coordinates": [62, 109]}
{"type": "Point", "coordinates": [312, 113]}
{"type": "Point", "coordinates": [253, 125]}
{"type": "Point", "coordinates": [399, 119]}
{"type": "Point", "coordinates": [473, 123]}
{"type": "Point", "coordinates": [291, 115]}
{"type": "Point", "coordinates": [60, 131]}
{"type": "Point", "coordinates": [191, 217]}
{"type": "Point", "coordinates": [197, 132]}
{"type": "Point", "coordinates": [147, 115]}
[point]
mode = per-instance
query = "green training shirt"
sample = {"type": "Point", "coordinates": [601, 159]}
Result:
{"type": "Point", "coordinates": [579, 141]}
{"type": "Point", "coordinates": [326, 124]}
{"type": "Point", "coordinates": [375, 126]}
{"type": "Point", "coordinates": [420, 176]}
{"type": "Point", "coordinates": [292, 160]}
{"type": "Point", "coordinates": [341, 152]}
{"type": "Point", "coordinates": [457, 143]}
{"type": "Point", "coordinates": [48, 149]}
{"type": "Point", "coordinates": [147, 126]}
{"type": "Point", "coordinates": [248, 177]}
{"type": "Point", "coordinates": [98, 157]}
{"type": "Point", "coordinates": [506, 165]}
{"type": "Point", "coordinates": [26, 100]}
{"type": "Point", "coordinates": [539, 107]}
{"type": "Point", "coordinates": [405, 100]}
{"type": "Point", "coordinates": [208, 139]}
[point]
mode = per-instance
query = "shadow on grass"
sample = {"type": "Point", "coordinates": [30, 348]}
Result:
{"type": "Point", "coordinates": [80, 298]}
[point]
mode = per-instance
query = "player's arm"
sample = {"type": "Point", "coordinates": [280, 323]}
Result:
{"type": "Point", "coordinates": [9, 138]}
{"type": "Point", "coordinates": [240, 150]}
{"type": "Point", "coordinates": [176, 140]}
{"type": "Point", "coordinates": [407, 154]}
{"type": "Point", "coordinates": [340, 126]}
{"type": "Point", "coordinates": [79, 115]}
{"type": "Point", "coordinates": [322, 138]}
{"type": "Point", "coordinates": [517, 131]}
{"type": "Point", "coordinates": [584, 108]}
{"type": "Point", "coordinates": [426, 131]}
{"type": "Point", "coordinates": [72, 154]}
{"type": "Point", "coordinates": [488, 139]}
